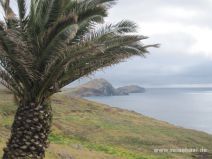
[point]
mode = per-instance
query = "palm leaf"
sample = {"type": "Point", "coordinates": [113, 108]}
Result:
{"type": "Point", "coordinates": [21, 9]}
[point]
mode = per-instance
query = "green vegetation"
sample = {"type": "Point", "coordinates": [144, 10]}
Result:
{"type": "Point", "coordinates": [88, 130]}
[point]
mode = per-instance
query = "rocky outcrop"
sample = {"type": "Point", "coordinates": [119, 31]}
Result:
{"type": "Point", "coordinates": [101, 87]}
{"type": "Point", "coordinates": [130, 89]}
{"type": "Point", "coordinates": [97, 87]}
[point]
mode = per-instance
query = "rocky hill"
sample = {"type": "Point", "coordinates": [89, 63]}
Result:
{"type": "Point", "coordinates": [101, 87]}
{"type": "Point", "coordinates": [130, 89]}
{"type": "Point", "coordinates": [97, 87]}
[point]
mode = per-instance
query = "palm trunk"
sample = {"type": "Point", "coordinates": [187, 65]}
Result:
{"type": "Point", "coordinates": [30, 130]}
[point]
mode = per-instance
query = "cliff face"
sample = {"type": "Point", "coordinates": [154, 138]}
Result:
{"type": "Point", "coordinates": [101, 87]}
{"type": "Point", "coordinates": [97, 87]}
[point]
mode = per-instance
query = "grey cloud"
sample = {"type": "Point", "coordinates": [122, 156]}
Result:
{"type": "Point", "coordinates": [159, 68]}
{"type": "Point", "coordinates": [150, 10]}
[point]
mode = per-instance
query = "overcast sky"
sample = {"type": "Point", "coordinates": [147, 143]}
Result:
{"type": "Point", "coordinates": [184, 30]}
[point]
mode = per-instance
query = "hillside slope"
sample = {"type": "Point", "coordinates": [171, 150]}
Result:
{"type": "Point", "coordinates": [88, 130]}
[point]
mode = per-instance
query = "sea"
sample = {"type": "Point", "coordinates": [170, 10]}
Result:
{"type": "Point", "coordinates": [185, 107]}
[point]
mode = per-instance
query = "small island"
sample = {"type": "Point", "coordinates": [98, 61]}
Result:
{"type": "Point", "coordinates": [101, 87]}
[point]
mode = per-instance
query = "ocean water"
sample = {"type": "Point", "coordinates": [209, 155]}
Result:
{"type": "Point", "coordinates": [186, 107]}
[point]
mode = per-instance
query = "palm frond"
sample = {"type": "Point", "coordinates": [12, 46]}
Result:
{"type": "Point", "coordinates": [97, 44]}
{"type": "Point", "coordinates": [21, 9]}
{"type": "Point", "coordinates": [9, 14]}
{"type": "Point", "coordinates": [14, 48]}
{"type": "Point", "coordinates": [8, 81]}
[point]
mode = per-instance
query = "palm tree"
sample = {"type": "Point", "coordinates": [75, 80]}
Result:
{"type": "Point", "coordinates": [46, 46]}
